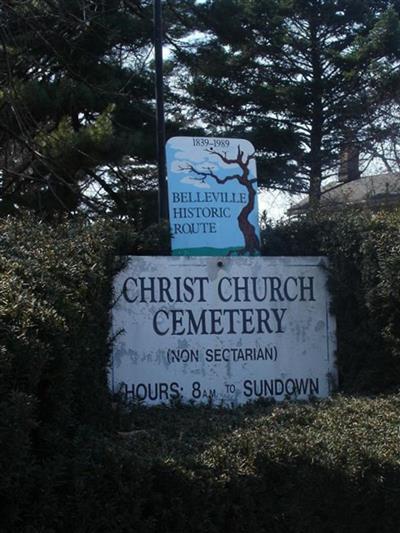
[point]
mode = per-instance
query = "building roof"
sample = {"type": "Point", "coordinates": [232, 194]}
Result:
{"type": "Point", "coordinates": [377, 191]}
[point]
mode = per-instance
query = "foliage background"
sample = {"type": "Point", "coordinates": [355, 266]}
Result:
{"type": "Point", "coordinates": [75, 459]}
{"type": "Point", "coordinates": [364, 254]}
{"type": "Point", "coordinates": [305, 80]}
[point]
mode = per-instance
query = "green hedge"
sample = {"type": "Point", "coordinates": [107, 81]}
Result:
{"type": "Point", "coordinates": [329, 467]}
{"type": "Point", "coordinates": [54, 301]}
{"type": "Point", "coordinates": [71, 462]}
{"type": "Point", "coordinates": [364, 253]}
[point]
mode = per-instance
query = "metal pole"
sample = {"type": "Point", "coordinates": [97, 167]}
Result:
{"type": "Point", "coordinates": [160, 120]}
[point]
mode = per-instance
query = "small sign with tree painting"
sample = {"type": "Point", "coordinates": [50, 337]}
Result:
{"type": "Point", "coordinates": [212, 185]}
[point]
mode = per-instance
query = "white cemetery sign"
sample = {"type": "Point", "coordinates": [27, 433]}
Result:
{"type": "Point", "coordinates": [223, 329]}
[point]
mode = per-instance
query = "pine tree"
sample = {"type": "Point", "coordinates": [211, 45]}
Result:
{"type": "Point", "coordinates": [379, 134]}
{"type": "Point", "coordinates": [284, 74]}
{"type": "Point", "coordinates": [77, 105]}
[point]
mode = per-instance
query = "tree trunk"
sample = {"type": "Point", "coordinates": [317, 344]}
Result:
{"type": "Point", "coordinates": [251, 241]}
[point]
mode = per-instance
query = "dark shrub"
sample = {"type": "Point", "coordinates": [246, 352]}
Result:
{"type": "Point", "coordinates": [54, 302]}
{"type": "Point", "coordinates": [364, 253]}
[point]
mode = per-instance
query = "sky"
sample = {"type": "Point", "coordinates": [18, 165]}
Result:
{"type": "Point", "coordinates": [276, 203]}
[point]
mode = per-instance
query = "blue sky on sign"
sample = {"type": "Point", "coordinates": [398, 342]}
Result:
{"type": "Point", "coordinates": [181, 156]}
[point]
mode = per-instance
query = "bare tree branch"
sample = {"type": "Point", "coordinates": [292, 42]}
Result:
{"type": "Point", "coordinates": [210, 174]}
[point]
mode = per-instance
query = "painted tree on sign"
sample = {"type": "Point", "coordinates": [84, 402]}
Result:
{"type": "Point", "coordinates": [251, 240]}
